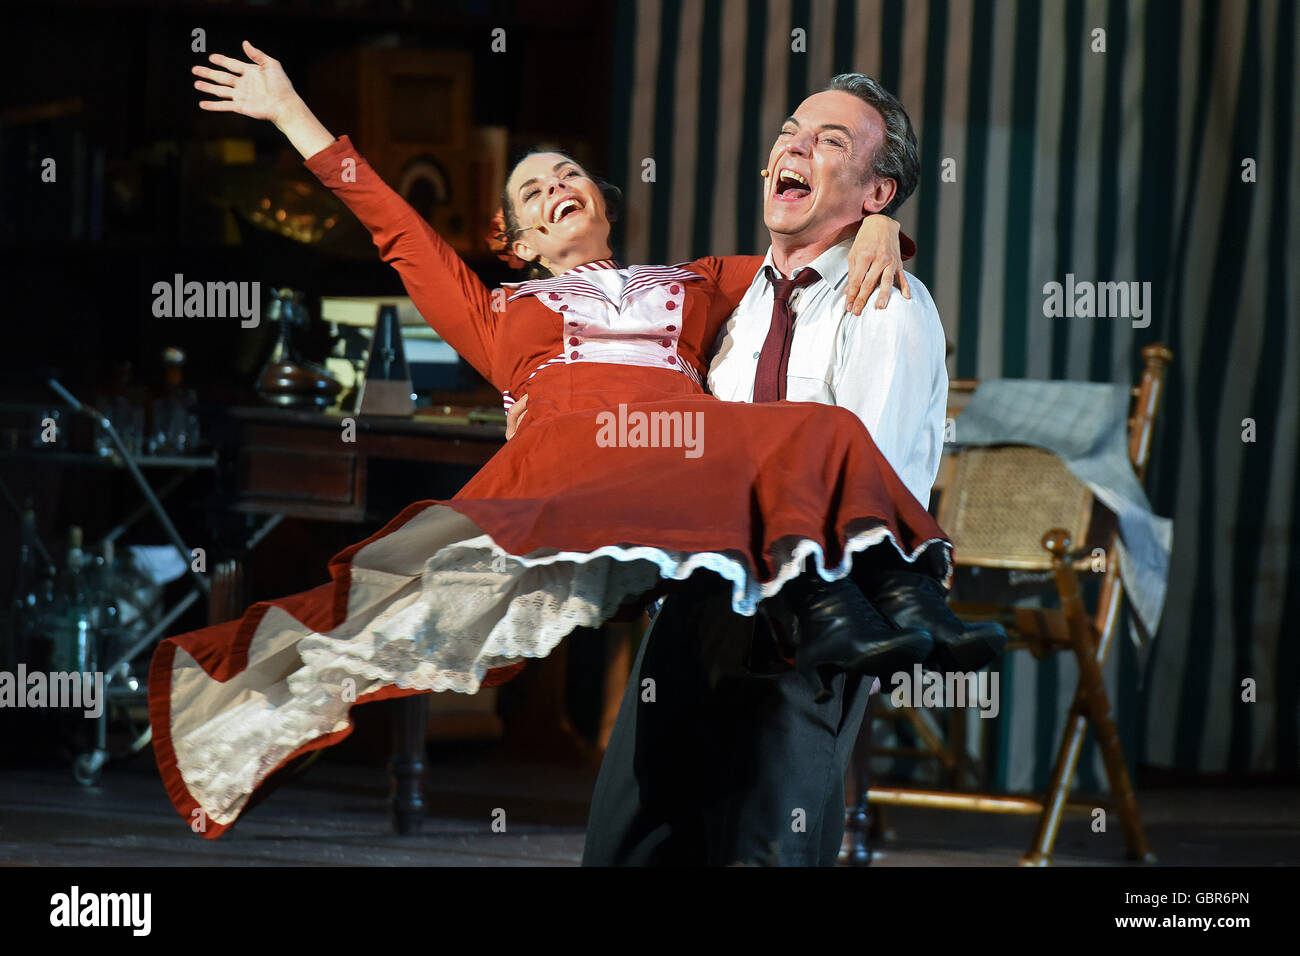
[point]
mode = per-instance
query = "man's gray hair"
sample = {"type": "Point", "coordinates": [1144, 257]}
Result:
{"type": "Point", "coordinates": [897, 157]}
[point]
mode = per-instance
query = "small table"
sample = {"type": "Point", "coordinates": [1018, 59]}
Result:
{"type": "Point", "coordinates": [299, 463]}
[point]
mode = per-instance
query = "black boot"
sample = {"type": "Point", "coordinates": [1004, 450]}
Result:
{"type": "Point", "coordinates": [832, 627]}
{"type": "Point", "coordinates": [911, 600]}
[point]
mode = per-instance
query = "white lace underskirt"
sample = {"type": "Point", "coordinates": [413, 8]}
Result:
{"type": "Point", "coordinates": [428, 611]}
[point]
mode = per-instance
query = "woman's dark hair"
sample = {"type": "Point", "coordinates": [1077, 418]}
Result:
{"type": "Point", "coordinates": [613, 205]}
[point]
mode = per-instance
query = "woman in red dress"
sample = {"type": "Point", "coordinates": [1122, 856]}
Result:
{"type": "Point", "coordinates": [624, 475]}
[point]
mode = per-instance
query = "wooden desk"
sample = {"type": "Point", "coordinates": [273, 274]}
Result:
{"type": "Point", "coordinates": [298, 463]}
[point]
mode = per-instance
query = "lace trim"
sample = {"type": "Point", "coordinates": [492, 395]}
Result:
{"type": "Point", "coordinates": [502, 608]}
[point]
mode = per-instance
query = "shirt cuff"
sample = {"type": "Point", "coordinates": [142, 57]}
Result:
{"type": "Point", "coordinates": [326, 165]}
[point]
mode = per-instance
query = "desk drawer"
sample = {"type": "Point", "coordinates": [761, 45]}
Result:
{"type": "Point", "coordinates": [292, 475]}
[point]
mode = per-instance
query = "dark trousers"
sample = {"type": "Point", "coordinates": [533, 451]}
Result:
{"type": "Point", "coordinates": [719, 754]}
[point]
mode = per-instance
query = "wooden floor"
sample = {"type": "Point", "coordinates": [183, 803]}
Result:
{"type": "Point", "coordinates": [335, 814]}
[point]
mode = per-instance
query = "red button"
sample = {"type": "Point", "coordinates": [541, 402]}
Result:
{"type": "Point", "coordinates": [573, 355]}
{"type": "Point", "coordinates": [670, 306]}
{"type": "Point", "coordinates": [674, 289]}
{"type": "Point", "coordinates": [574, 324]}
{"type": "Point", "coordinates": [671, 328]}
{"type": "Point", "coordinates": [573, 341]}
{"type": "Point", "coordinates": [665, 342]}
{"type": "Point", "coordinates": [564, 307]}
{"type": "Point", "coordinates": [671, 360]}
{"type": "Point", "coordinates": [555, 296]}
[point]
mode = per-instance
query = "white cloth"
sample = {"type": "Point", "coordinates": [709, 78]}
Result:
{"type": "Point", "coordinates": [158, 563]}
{"type": "Point", "coordinates": [886, 366]}
{"type": "Point", "coordinates": [1086, 425]}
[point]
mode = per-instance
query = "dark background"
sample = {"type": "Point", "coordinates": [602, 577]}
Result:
{"type": "Point", "coordinates": [118, 75]}
{"type": "Point", "coordinates": [107, 89]}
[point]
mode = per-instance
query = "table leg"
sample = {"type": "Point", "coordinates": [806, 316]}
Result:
{"type": "Point", "coordinates": [406, 769]}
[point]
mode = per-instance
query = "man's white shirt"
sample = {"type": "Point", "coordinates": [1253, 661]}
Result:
{"type": "Point", "coordinates": [887, 365]}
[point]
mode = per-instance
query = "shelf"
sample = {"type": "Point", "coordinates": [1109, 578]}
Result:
{"type": "Point", "coordinates": [111, 461]}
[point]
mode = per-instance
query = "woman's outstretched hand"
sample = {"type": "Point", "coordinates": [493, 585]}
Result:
{"type": "Point", "coordinates": [259, 90]}
{"type": "Point", "coordinates": [875, 259]}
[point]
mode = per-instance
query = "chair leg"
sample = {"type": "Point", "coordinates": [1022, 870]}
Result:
{"type": "Point", "coordinates": [620, 640]}
{"type": "Point", "coordinates": [932, 741]}
{"type": "Point", "coordinates": [957, 748]}
{"type": "Point", "coordinates": [858, 821]}
{"type": "Point", "coordinates": [1091, 703]}
{"type": "Point", "coordinates": [1112, 753]}
{"type": "Point", "coordinates": [1058, 790]}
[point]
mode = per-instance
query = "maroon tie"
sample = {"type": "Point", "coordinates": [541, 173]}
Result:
{"type": "Point", "coordinates": [769, 379]}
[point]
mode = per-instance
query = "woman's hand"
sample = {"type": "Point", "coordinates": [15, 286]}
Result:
{"type": "Point", "coordinates": [261, 90]}
{"type": "Point", "coordinates": [517, 411]}
{"type": "Point", "coordinates": [258, 90]}
{"type": "Point", "coordinates": [875, 258]}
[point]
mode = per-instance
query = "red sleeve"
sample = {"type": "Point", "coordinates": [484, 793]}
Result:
{"type": "Point", "coordinates": [447, 293]}
{"type": "Point", "coordinates": [733, 275]}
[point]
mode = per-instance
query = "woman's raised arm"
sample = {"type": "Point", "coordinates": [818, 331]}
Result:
{"type": "Point", "coordinates": [447, 293]}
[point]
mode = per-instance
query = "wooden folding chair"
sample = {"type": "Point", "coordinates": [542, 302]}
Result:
{"type": "Point", "coordinates": [1018, 507]}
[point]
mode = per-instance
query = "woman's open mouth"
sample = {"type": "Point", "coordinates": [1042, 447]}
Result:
{"type": "Point", "coordinates": [791, 186]}
{"type": "Point", "coordinates": [564, 208]}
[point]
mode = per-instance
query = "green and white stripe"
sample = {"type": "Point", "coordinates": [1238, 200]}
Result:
{"type": "Point", "coordinates": [1115, 166]}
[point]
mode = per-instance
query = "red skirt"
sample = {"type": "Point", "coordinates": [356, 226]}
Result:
{"type": "Point", "coordinates": [620, 479]}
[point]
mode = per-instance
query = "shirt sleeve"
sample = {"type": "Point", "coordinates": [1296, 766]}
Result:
{"type": "Point", "coordinates": [890, 370]}
{"type": "Point", "coordinates": [447, 293]}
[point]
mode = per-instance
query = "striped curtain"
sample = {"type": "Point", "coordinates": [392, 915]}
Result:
{"type": "Point", "coordinates": [1127, 163]}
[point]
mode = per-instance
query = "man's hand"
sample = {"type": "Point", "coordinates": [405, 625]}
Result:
{"type": "Point", "coordinates": [516, 412]}
{"type": "Point", "coordinates": [875, 259]}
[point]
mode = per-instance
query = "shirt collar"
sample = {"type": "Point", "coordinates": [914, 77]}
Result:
{"type": "Point", "coordinates": [832, 265]}
{"type": "Point", "coordinates": [585, 267]}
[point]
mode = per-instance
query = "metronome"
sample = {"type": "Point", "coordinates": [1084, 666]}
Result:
{"type": "Point", "coordinates": [386, 386]}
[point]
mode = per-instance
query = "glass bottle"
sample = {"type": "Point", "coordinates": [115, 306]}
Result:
{"type": "Point", "coordinates": [175, 425]}
{"type": "Point", "coordinates": [26, 605]}
{"type": "Point", "coordinates": [108, 613]}
{"type": "Point", "coordinates": [73, 614]}
{"type": "Point", "coordinates": [120, 402]}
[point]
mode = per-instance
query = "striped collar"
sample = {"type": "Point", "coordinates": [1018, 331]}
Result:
{"type": "Point", "coordinates": [585, 267]}
{"type": "Point", "coordinates": [573, 282]}
{"type": "Point", "coordinates": [598, 264]}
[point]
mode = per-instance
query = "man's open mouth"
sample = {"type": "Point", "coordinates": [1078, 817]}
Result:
{"type": "Point", "coordinates": [791, 186]}
{"type": "Point", "coordinates": [563, 208]}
